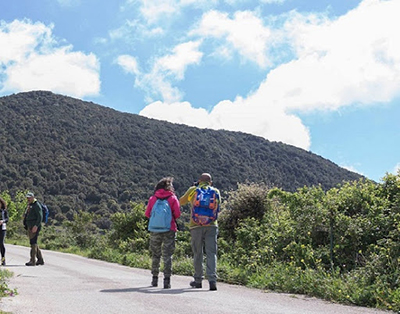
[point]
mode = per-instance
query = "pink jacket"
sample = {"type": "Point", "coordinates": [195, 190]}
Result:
{"type": "Point", "coordinates": [173, 203]}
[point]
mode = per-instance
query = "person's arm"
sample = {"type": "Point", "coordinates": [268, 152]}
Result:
{"type": "Point", "coordinates": [5, 216]}
{"type": "Point", "coordinates": [38, 210]}
{"type": "Point", "coordinates": [176, 208]}
{"type": "Point", "coordinates": [24, 218]}
{"type": "Point", "coordinates": [40, 215]}
{"type": "Point", "coordinates": [187, 197]}
{"type": "Point", "coordinates": [218, 199]}
{"type": "Point", "coordinates": [150, 205]}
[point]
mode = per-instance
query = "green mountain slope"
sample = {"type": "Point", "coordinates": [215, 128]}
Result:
{"type": "Point", "coordinates": [80, 155]}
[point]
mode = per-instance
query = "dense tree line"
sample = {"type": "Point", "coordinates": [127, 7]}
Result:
{"type": "Point", "coordinates": [77, 155]}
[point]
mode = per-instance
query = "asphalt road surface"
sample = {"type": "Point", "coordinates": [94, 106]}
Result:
{"type": "Point", "coordinates": [72, 284]}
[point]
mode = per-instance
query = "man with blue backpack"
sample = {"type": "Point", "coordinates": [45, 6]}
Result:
{"type": "Point", "coordinates": [162, 210]}
{"type": "Point", "coordinates": [205, 201]}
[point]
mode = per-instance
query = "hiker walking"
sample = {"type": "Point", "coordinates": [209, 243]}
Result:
{"type": "Point", "coordinates": [3, 225]}
{"type": "Point", "coordinates": [33, 223]}
{"type": "Point", "coordinates": [162, 209]}
{"type": "Point", "coordinates": [203, 226]}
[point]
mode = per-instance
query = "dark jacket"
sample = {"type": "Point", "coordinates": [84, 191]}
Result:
{"type": "Point", "coordinates": [4, 217]}
{"type": "Point", "coordinates": [3, 214]}
{"type": "Point", "coordinates": [34, 215]}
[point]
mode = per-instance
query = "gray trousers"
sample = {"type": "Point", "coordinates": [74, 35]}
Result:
{"type": "Point", "coordinates": [162, 244]}
{"type": "Point", "coordinates": [204, 238]}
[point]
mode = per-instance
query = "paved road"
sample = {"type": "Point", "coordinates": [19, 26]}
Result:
{"type": "Point", "coordinates": [72, 284]}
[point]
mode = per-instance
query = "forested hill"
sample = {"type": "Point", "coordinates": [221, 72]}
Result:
{"type": "Point", "coordinates": [80, 155]}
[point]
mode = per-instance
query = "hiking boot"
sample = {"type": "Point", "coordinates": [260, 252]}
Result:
{"type": "Point", "coordinates": [154, 282]}
{"type": "Point", "coordinates": [32, 261]}
{"type": "Point", "coordinates": [40, 262]}
{"type": "Point", "coordinates": [39, 256]}
{"type": "Point", "coordinates": [167, 283]}
{"type": "Point", "coordinates": [213, 285]}
{"type": "Point", "coordinates": [195, 284]}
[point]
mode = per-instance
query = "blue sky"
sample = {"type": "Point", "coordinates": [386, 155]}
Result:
{"type": "Point", "coordinates": [321, 75]}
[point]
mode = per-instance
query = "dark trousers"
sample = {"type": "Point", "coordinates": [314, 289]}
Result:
{"type": "Point", "coordinates": [33, 237]}
{"type": "Point", "coordinates": [2, 246]}
{"type": "Point", "coordinates": [35, 251]}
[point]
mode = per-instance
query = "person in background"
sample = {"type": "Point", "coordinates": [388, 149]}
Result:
{"type": "Point", "coordinates": [163, 243]}
{"type": "Point", "coordinates": [33, 223]}
{"type": "Point", "coordinates": [203, 228]}
{"type": "Point", "coordinates": [3, 224]}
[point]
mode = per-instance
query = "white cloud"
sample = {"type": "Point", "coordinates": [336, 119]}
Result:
{"type": "Point", "coordinates": [245, 115]}
{"type": "Point", "coordinates": [129, 64]}
{"type": "Point", "coordinates": [354, 59]}
{"type": "Point", "coordinates": [154, 10]}
{"type": "Point", "coordinates": [18, 38]}
{"type": "Point", "coordinates": [65, 72]}
{"type": "Point", "coordinates": [183, 55]}
{"type": "Point", "coordinates": [178, 112]}
{"type": "Point", "coordinates": [170, 68]}
{"type": "Point", "coordinates": [30, 60]}
{"type": "Point", "coordinates": [245, 33]}
{"type": "Point", "coordinates": [130, 33]}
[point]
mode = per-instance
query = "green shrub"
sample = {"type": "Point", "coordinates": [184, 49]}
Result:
{"type": "Point", "coordinates": [248, 201]}
{"type": "Point", "coordinates": [4, 289]}
{"type": "Point", "coordinates": [183, 266]}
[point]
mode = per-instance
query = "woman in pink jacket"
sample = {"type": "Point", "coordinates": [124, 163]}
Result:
{"type": "Point", "coordinates": [163, 205]}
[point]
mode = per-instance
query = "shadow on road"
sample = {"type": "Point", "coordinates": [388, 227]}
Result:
{"type": "Point", "coordinates": [152, 290]}
{"type": "Point", "coordinates": [14, 266]}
